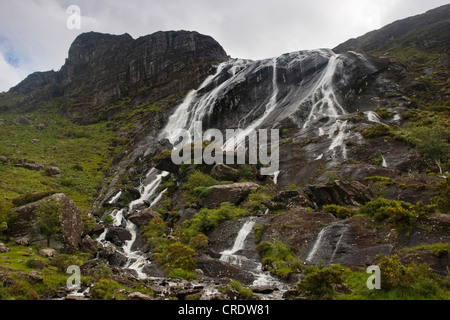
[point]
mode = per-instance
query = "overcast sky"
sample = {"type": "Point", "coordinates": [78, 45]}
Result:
{"type": "Point", "coordinates": [34, 35]}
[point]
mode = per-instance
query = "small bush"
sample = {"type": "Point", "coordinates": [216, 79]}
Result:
{"type": "Point", "coordinates": [395, 211]}
{"type": "Point", "coordinates": [177, 256]}
{"type": "Point", "coordinates": [279, 259]}
{"type": "Point", "coordinates": [337, 211]}
{"type": "Point", "coordinates": [376, 131]}
{"type": "Point", "coordinates": [237, 287]}
{"type": "Point", "coordinates": [106, 289]}
{"type": "Point", "coordinates": [319, 283]}
{"type": "Point", "coordinates": [207, 219]}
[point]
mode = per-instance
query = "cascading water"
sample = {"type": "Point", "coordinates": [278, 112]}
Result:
{"type": "Point", "coordinates": [327, 243]}
{"type": "Point", "coordinates": [237, 256]}
{"type": "Point", "coordinates": [136, 260]}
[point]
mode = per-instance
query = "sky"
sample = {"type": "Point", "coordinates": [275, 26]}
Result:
{"type": "Point", "coordinates": [35, 35]}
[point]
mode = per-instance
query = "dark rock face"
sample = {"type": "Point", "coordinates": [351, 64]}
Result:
{"type": "Point", "coordinates": [340, 193]}
{"type": "Point", "coordinates": [117, 235]}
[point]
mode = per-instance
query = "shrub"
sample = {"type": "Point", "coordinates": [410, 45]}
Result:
{"type": "Point", "coordinates": [376, 131]}
{"type": "Point", "coordinates": [442, 200]}
{"type": "Point", "coordinates": [395, 211]}
{"type": "Point", "coordinates": [48, 216]}
{"type": "Point", "coordinates": [200, 241]}
{"type": "Point", "coordinates": [337, 211]}
{"type": "Point", "coordinates": [207, 219]}
{"type": "Point", "coordinates": [196, 185]}
{"type": "Point", "coordinates": [6, 213]}
{"type": "Point", "coordinates": [278, 258]}
{"type": "Point", "coordinates": [237, 287]}
{"type": "Point", "coordinates": [393, 273]}
{"type": "Point", "coordinates": [258, 200]}
{"type": "Point", "coordinates": [177, 255]}
{"type": "Point", "coordinates": [319, 283]}
{"type": "Point", "coordinates": [105, 289]}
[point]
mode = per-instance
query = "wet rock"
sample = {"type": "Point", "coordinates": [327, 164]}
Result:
{"type": "Point", "coordinates": [143, 217]}
{"type": "Point", "coordinates": [219, 269]}
{"type": "Point", "coordinates": [232, 193]}
{"type": "Point", "coordinates": [114, 257]}
{"type": "Point", "coordinates": [117, 235]}
{"type": "Point", "coordinates": [153, 270]}
{"type": "Point", "coordinates": [340, 193]}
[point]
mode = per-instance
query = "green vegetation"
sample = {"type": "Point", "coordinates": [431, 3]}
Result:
{"type": "Point", "coordinates": [6, 213]}
{"type": "Point", "coordinates": [16, 265]}
{"type": "Point", "coordinates": [320, 283]}
{"type": "Point", "coordinates": [71, 147]}
{"type": "Point", "coordinates": [430, 142]}
{"type": "Point", "coordinates": [375, 131]}
{"type": "Point", "coordinates": [207, 219]}
{"type": "Point", "coordinates": [197, 184]}
{"type": "Point", "coordinates": [278, 259]}
{"type": "Point", "coordinates": [396, 212]}
{"type": "Point", "coordinates": [339, 212]}
{"type": "Point", "coordinates": [48, 219]}
{"type": "Point", "coordinates": [236, 288]}
{"type": "Point", "coordinates": [178, 260]}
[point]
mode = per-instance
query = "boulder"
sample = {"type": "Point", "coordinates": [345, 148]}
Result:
{"type": "Point", "coordinates": [53, 172]}
{"type": "Point", "coordinates": [232, 193]}
{"type": "Point", "coordinates": [143, 217]}
{"type": "Point", "coordinates": [340, 193]}
{"type": "Point", "coordinates": [89, 245]}
{"type": "Point", "coordinates": [117, 235]}
{"type": "Point", "coordinates": [290, 199]}
{"type": "Point", "coordinates": [31, 166]}
{"type": "Point", "coordinates": [24, 226]}
{"type": "Point", "coordinates": [225, 173]}
{"type": "Point", "coordinates": [3, 248]}
{"type": "Point", "coordinates": [138, 296]}
{"type": "Point", "coordinates": [114, 257]}
{"type": "Point", "coordinates": [47, 252]}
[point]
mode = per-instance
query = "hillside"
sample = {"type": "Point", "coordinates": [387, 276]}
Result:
{"type": "Point", "coordinates": [362, 176]}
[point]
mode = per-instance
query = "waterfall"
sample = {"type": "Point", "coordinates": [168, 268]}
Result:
{"type": "Point", "coordinates": [384, 164]}
{"type": "Point", "coordinates": [327, 243]}
{"type": "Point", "coordinates": [136, 260]}
{"type": "Point", "coordinates": [230, 256]}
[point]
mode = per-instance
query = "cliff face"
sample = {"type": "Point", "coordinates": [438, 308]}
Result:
{"type": "Point", "coordinates": [102, 69]}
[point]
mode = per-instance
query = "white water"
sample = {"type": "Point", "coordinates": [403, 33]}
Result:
{"type": "Point", "coordinates": [135, 260]}
{"type": "Point", "coordinates": [317, 245]}
{"type": "Point", "coordinates": [115, 198]}
{"type": "Point", "coordinates": [230, 256]}
{"type": "Point", "coordinates": [384, 164]}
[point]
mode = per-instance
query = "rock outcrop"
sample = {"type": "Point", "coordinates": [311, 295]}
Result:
{"type": "Point", "coordinates": [232, 193]}
{"type": "Point", "coordinates": [340, 193]}
{"type": "Point", "coordinates": [71, 226]}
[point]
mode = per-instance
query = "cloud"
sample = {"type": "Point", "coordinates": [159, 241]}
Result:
{"type": "Point", "coordinates": [33, 33]}
{"type": "Point", "coordinates": [9, 76]}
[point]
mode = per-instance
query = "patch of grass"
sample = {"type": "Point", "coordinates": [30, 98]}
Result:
{"type": "Point", "coordinates": [279, 259]}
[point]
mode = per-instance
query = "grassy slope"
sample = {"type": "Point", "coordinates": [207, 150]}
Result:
{"type": "Point", "coordinates": [81, 152]}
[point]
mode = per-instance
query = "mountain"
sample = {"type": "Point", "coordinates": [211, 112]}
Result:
{"type": "Point", "coordinates": [361, 178]}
